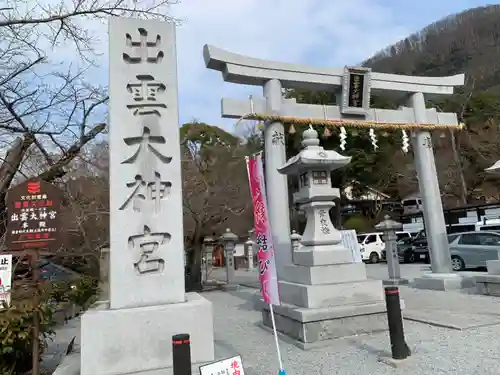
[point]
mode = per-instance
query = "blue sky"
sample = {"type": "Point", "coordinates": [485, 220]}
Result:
{"type": "Point", "coordinates": [315, 32]}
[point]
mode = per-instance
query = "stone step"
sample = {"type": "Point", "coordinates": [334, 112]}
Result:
{"type": "Point", "coordinates": [326, 295]}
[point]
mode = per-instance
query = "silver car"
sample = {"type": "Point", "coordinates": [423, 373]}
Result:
{"type": "Point", "coordinates": [473, 249]}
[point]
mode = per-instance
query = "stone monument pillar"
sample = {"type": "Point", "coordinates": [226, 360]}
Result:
{"type": "Point", "coordinates": [389, 228]}
{"type": "Point", "coordinates": [148, 303]}
{"type": "Point", "coordinates": [324, 294]}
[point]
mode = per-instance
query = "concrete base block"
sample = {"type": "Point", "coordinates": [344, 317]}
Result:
{"type": "Point", "coordinates": [396, 363]}
{"type": "Point", "coordinates": [443, 282]}
{"type": "Point", "coordinates": [488, 285]}
{"type": "Point", "coordinates": [310, 328]}
{"type": "Point", "coordinates": [325, 295]}
{"type": "Point", "coordinates": [136, 340]}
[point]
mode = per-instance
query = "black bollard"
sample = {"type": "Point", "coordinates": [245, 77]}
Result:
{"type": "Point", "coordinates": [399, 349]}
{"type": "Point", "coordinates": [181, 354]}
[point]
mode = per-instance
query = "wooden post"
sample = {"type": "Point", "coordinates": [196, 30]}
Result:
{"type": "Point", "coordinates": [36, 316]}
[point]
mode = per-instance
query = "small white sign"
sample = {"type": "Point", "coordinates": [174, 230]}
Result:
{"type": "Point", "coordinates": [350, 241]}
{"type": "Point", "coordinates": [5, 279]}
{"type": "Point", "coordinates": [228, 366]}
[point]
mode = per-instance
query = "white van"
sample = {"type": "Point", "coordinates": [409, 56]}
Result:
{"type": "Point", "coordinates": [412, 205]}
{"type": "Point", "coordinates": [372, 245]}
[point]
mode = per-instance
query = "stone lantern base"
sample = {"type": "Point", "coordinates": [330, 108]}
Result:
{"type": "Point", "coordinates": [325, 296]}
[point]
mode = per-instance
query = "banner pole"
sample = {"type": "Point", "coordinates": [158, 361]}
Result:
{"type": "Point", "coordinates": [276, 340]}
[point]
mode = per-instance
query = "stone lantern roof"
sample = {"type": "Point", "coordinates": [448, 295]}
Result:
{"type": "Point", "coordinates": [313, 156]}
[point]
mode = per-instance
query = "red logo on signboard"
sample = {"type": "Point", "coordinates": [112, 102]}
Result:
{"type": "Point", "coordinates": [34, 187]}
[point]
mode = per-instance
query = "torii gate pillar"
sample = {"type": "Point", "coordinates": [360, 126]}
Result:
{"type": "Point", "coordinates": [274, 76]}
{"type": "Point", "coordinates": [276, 183]}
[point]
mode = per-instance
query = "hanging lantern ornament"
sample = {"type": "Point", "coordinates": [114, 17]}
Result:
{"type": "Point", "coordinates": [385, 134]}
{"type": "Point", "coordinates": [260, 125]}
{"type": "Point", "coordinates": [405, 140]}
{"type": "Point", "coordinates": [326, 133]}
{"type": "Point", "coordinates": [343, 137]}
{"type": "Point", "coordinates": [373, 139]}
{"type": "Point", "coordinates": [291, 130]}
{"type": "Point", "coordinates": [442, 135]}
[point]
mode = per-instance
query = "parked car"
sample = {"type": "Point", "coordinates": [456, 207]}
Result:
{"type": "Point", "coordinates": [47, 271]}
{"type": "Point", "coordinates": [404, 246]}
{"type": "Point", "coordinates": [405, 250]}
{"type": "Point", "coordinates": [372, 246]}
{"type": "Point", "coordinates": [55, 272]}
{"type": "Point", "coordinates": [421, 248]}
{"type": "Point", "coordinates": [473, 249]}
{"type": "Point", "coordinates": [490, 225]}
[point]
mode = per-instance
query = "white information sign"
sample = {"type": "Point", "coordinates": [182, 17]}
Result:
{"type": "Point", "coordinates": [228, 366]}
{"type": "Point", "coordinates": [350, 241]}
{"type": "Point", "coordinates": [5, 279]}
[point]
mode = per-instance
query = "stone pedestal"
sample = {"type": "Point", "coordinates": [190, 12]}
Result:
{"type": "Point", "coordinates": [489, 284]}
{"type": "Point", "coordinates": [133, 340]}
{"type": "Point", "coordinates": [325, 296]}
{"type": "Point", "coordinates": [493, 267]}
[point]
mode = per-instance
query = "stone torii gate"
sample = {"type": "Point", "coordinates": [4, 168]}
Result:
{"type": "Point", "coordinates": [353, 87]}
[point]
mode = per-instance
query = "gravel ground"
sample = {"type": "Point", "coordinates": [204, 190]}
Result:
{"type": "Point", "coordinates": [435, 350]}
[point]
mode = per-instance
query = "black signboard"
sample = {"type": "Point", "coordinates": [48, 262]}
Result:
{"type": "Point", "coordinates": [33, 216]}
{"type": "Point", "coordinates": [356, 90]}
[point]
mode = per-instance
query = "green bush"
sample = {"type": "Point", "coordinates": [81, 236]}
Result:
{"type": "Point", "coordinates": [16, 321]}
{"type": "Point", "coordinates": [16, 338]}
{"type": "Point", "coordinates": [83, 291]}
{"type": "Point", "coordinates": [60, 291]}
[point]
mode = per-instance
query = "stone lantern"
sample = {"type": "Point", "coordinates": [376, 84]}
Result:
{"type": "Point", "coordinates": [324, 294]}
{"type": "Point", "coordinates": [389, 228]}
{"type": "Point", "coordinates": [229, 239]}
{"type": "Point", "coordinates": [315, 196]}
{"type": "Point", "coordinates": [209, 243]}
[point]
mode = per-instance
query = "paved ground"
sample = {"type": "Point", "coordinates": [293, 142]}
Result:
{"type": "Point", "coordinates": [469, 347]}
{"type": "Point", "coordinates": [58, 345]}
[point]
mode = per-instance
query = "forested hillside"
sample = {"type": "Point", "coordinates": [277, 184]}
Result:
{"type": "Point", "coordinates": [468, 43]}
